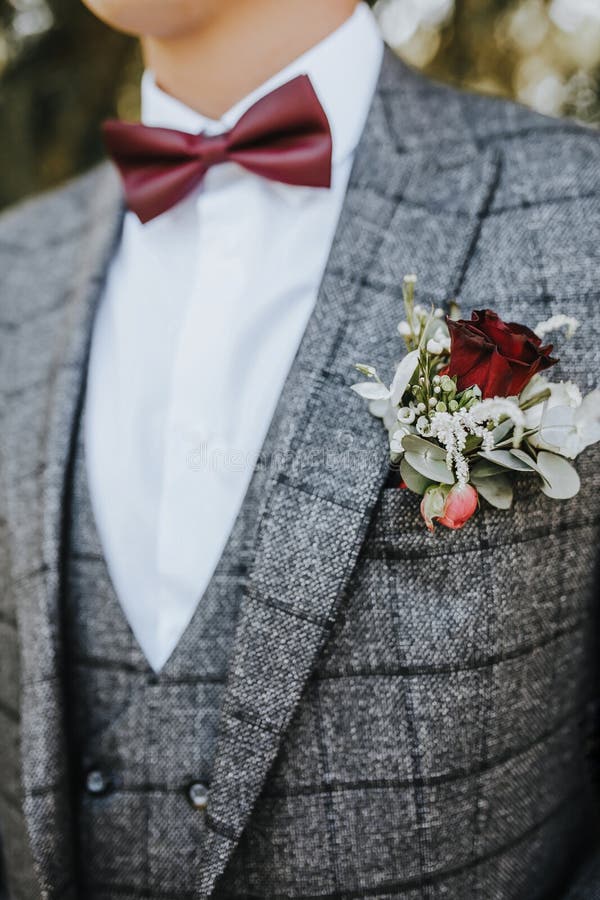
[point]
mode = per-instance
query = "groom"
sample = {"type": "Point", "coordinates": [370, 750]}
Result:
{"type": "Point", "coordinates": [233, 663]}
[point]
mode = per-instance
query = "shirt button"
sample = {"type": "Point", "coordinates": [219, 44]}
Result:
{"type": "Point", "coordinates": [96, 782]}
{"type": "Point", "coordinates": [198, 795]}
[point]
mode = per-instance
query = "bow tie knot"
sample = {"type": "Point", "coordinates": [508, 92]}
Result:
{"type": "Point", "coordinates": [285, 137]}
{"type": "Point", "coordinates": [212, 149]}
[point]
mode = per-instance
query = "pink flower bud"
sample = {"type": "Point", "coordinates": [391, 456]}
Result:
{"type": "Point", "coordinates": [460, 505]}
{"type": "Point", "coordinates": [434, 503]}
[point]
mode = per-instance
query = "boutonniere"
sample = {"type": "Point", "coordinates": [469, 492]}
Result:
{"type": "Point", "coordinates": [469, 409]}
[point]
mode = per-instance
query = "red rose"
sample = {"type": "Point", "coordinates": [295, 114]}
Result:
{"type": "Point", "coordinates": [500, 357]}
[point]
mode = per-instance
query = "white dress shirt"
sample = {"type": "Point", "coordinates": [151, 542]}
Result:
{"type": "Point", "coordinates": [202, 314]}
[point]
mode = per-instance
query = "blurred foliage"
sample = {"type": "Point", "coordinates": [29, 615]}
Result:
{"type": "Point", "coordinates": [62, 72]}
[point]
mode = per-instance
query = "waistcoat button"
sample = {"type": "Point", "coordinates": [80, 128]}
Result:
{"type": "Point", "coordinates": [198, 795]}
{"type": "Point", "coordinates": [96, 782]}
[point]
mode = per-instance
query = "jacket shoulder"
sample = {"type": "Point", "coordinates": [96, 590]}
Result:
{"type": "Point", "coordinates": [536, 232]}
{"type": "Point", "coordinates": [541, 158]}
{"type": "Point", "coordinates": [51, 217]}
{"type": "Point", "coordinates": [44, 240]}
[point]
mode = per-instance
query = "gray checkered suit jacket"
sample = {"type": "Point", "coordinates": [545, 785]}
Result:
{"type": "Point", "coordinates": [405, 715]}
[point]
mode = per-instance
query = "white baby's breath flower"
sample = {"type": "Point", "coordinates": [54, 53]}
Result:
{"type": "Point", "coordinates": [434, 347]}
{"type": "Point", "coordinates": [493, 409]}
{"type": "Point", "coordinates": [404, 329]}
{"type": "Point", "coordinates": [496, 408]}
{"type": "Point", "coordinates": [396, 438]}
{"type": "Point", "coordinates": [423, 426]}
{"type": "Point", "coordinates": [452, 430]}
{"type": "Point", "coordinates": [555, 323]}
{"type": "Point", "coordinates": [406, 415]}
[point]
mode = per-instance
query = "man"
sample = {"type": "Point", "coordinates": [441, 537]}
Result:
{"type": "Point", "coordinates": [234, 663]}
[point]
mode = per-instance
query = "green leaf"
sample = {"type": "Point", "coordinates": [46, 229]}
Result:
{"type": "Point", "coordinates": [562, 480]}
{"type": "Point", "coordinates": [540, 397]}
{"type": "Point", "coordinates": [413, 480]}
{"type": "Point", "coordinates": [525, 458]}
{"type": "Point", "coordinates": [483, 468]}
{"type": "Point", "coordinates": [498, 491]}
{"type": "Point", "coordinates": [508, 460]}
{"type": "Point", "coordinates": [502, 431]}
{"type": "Point", "coordinates": [427, 458]}
{"type": "Point", "coordinates": [434, 469]}
{"type": "Point", "coordinates": [415, 444]}
{"type": "Point", "coordinates": [532, 463]}
{"type": "Point", "coordinates": [472, 443]}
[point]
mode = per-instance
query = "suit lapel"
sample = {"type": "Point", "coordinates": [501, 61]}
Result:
{"type": "Point", "coordinates": [43, 417]}
{"type": "Point", "coordinates": [407, 209]}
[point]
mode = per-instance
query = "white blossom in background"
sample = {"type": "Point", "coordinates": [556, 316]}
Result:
{"type": "Point", "coordinates": [31, 17]}
{"type": "Point", "coordinates": [570, 15]}
{"type": "Point", "coordinates": [401, 19]}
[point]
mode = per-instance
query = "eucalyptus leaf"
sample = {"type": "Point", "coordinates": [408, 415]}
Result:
{"type": "Point", "coordinates": [502, 431]}
{"type": "Point", "coordinates": [483, 468]}
{"type": "Point", "coordinates": [427, 458]}
{"type": "Point", "coordinates": [561, 479]}
{"type": "Point", "coordinates": [434, 469]}
{"type": "Point", "coordinates": [472, 443]}
{"type": "Point", "coordinates": [508, 460]}
{"type": "Point", "coordinates": [412, 443]}
{"type": "Point", "coordinates": [413, 480]}
{"type": "Point", "coordinates": [498, 491]}
{"type": "Point", "coordinates": [525, 458]}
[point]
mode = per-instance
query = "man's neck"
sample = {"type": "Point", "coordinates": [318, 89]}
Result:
{"type": "Point", "coordinates": [214, 67]}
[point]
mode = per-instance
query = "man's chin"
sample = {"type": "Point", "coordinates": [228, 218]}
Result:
{"type": "Point", "coordinates": [151, 18]}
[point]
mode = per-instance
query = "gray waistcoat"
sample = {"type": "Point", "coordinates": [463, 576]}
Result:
{"type": "Point", "coordinates": [143, 743]}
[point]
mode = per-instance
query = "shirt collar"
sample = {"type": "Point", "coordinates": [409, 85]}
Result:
{"type": "Point", "coordinates": [343, 69]}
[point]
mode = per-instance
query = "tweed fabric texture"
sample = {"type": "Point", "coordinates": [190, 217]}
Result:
{"type": "Point", "coordinates": [404, 716]}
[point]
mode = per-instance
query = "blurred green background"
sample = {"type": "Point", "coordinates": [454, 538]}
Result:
{"type": "Point", "coordinates": [62, 72]}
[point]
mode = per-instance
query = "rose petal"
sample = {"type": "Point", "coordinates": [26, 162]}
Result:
{"type": "Point", "coordinates": [501, 358]}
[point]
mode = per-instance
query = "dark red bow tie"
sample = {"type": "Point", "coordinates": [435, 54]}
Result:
{"type": "Point", "coordinates": [285, 136]}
